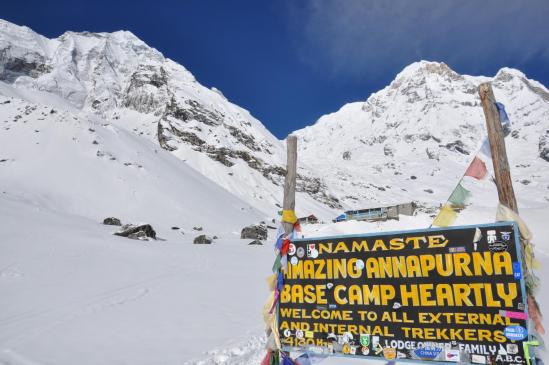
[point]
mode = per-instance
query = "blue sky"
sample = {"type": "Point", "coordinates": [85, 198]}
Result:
{"type": "Point", "coordinates": [291, 61]}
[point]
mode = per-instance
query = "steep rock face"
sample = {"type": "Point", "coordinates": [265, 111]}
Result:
{"type": "Point", "coordinates": [427, 124]}
{"type": "Point", "coordinates": [117, 77]}
{"type": "Point", "coordinates": [544, 146]}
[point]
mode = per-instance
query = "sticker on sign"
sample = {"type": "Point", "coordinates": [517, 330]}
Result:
{"type": "Point", "coordinates": [515, 333]}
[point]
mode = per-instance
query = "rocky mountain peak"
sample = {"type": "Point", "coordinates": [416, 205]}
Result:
{"type": "Point", "coordinates": [517, 81]}
{"type": "Point", "coordinates": [422, 70]}
{"type": "Point", "coordinates": [428, 122]}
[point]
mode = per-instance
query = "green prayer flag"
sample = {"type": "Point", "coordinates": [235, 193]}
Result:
{"type": "Point", "coordinates": [274, 360]}
{"type": "Point", "coordinates": [459, 195]}
{"type": "Point", "coordinates": [277, 264]}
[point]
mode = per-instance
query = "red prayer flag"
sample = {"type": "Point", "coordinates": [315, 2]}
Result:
{"type": "Point", "coordinates": [267, 359]}
{"type": "Point", "coordinates": [285, 247]}
{"type": "Point", "coordinates": [476, 169]}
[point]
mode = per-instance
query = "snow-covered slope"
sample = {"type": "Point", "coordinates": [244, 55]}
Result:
{"type": "Point", "coordinates": [72, 293]}
{"type": "Point", "coordinates": [414, 139]}
{"type": "Point", "coordinates": [73, 163]}
{"type": "Point", "coordinates": [118, 78]}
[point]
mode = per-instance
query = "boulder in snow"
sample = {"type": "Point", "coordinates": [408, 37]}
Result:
{"type": "Point", "coordinates": [142, 232]}
{"type": "Point", "coordinates": [203, 240]}
{"type": "Point", "coordinates": [255, 232]}
{"type": "Point", "coordinates": [255, 242]}
{"type": "Point", "coordinates": [112, 221]}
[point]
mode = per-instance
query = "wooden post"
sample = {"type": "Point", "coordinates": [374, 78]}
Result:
{"type": "Point", "coordinates": [288, 202]}
{"type": "Point", "coordinates": [503, 174]}
{"type": "Point", "coordinates": [289, 182]}
{"type": "Point", "coordinates": [497, 147]}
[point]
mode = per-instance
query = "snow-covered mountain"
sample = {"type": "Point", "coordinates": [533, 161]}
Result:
{"type": "Point", "coordinates": [119, 79]}
{"type": "Point", "coordinates": [410, 141]}
{"type": "Point", "coordinates": [414, 139]}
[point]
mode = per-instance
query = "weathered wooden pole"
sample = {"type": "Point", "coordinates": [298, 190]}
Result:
{"type": "Point", "coordinates": [288, 203]}
{"type": "Point", "coordinates": [502, 171]}
{"type": "Point", "coordinates": [289, 182]}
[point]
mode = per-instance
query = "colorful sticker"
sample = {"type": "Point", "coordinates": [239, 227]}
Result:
{"type": "Point", "coordinates": [517, 273]}
{"type": "Point", "coordinates": [512, 348]}
{"type": "Point", "coordinates": [478, 359]}
{"type": "Point", "coordinates": [294, 260]}
{"type": "Point", "coordinates": [365, 350]}
{"type": "Point", "coordinates": [309, 334]}
{"type": "Point", "coordinates": [310, 248]}
{"type": "Point", "coordinates": [359, 264]}
{"type": "Point", "coordinates": [491, 236]}
{"type": "Point", "coordinates": [365, 339]}
{"type": "Point", "coordinates": [378, 349]}
{"type": "Point", "coordinates": [515, 333]}
{"type": "Point", "coordinates": [427, 352]}
{"type": "Point", "coordinates": [513, 314]}
{"type": "Point", "coordinates": [291, 249]}
{"type": "Point", "coordinates": [346, 348]}
{"type": "Point", "coordinates": [348, 336]}
{"type": "Point", "coordinates": [506, 236]}
{"type": "Point", "coordinates": [375, 342]}
{"type": "Point", "coordinates": [300, 252]}
{"type": "Point", "coordinates": [315, 349]}
{"type": "Point", "coordinates": [452, 355]}
{"type": "Point", "coordinates": [389, 353]}
{"type": "Point", "coordinates": [498, 246]}
{"type": "Point", "coordinates": [501, 350]}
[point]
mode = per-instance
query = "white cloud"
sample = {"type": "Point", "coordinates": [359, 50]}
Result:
{"type": "Point", "coordinates": [359, 38]}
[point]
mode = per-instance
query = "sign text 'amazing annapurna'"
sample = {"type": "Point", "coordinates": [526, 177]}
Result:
{"type": "Point", "coordinates": [452, 295]}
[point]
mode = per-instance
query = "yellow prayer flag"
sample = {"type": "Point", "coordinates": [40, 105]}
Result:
{"type": "Point", "coordinates": [266, 308]}
{"type": "Point", "coordinates": [276, 334]}
{"type": "Point", "coordinates": [445, 217]}
{"type": "Point", "coordinates": [289, 216]}
{"type": "Point", "coordinates": [271, 281]}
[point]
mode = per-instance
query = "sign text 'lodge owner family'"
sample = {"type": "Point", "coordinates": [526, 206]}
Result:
{"type": "Point", "coordinates": [439, 294]}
